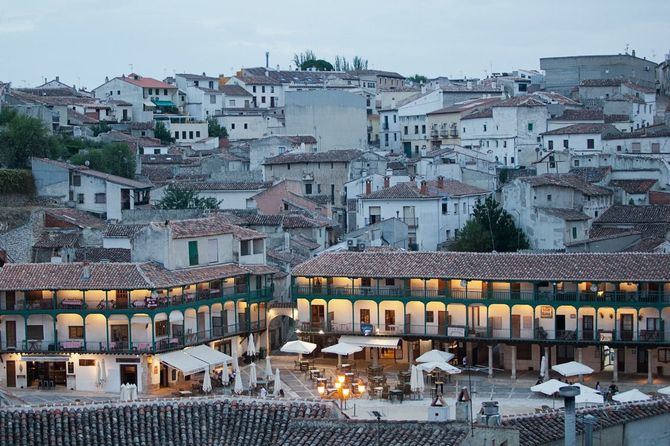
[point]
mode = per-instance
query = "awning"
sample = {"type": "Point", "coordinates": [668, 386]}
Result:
{"type": "Point", "coordinates": [176, 316]}
{"type": "Point", "coordinates": [187, 364]}
{"type": "Point", "coordinates": [371, 341]}
{"type": "Point", "coordinates": [43, 358]}
{"type": "Point", "coordinates": [160, 103]}
{"type": "Point", "coordinates": [207, 354]}
{"type": "Point", "coordinates": [149, 104]}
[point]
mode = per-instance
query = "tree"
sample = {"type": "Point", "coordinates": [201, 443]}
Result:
{"type": "Point", "coordinates": [215, 129]}
{"type": "Point", "coordinates": [317, 64]}
{"type": "Point", "coordinates": [301, 58]}
{"type": "Point", "coordinates": [22, 137]}
{"type": "Point", "coordinates": [418, 79]}
{"type": "Point", "coordinates": [359, 63]}
{"type": "Point", "coordinates": [113, 158]}
{"type": "Point", "coordinates": [101, 127]}
{"type": "Point", "coordinates": [182, 197]}
{"type": "Point", "coordinates": [491, 228]}
{"type": "Point", "coordinates": [161, 132]}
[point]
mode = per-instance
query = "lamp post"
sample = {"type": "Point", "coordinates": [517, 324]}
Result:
{"type": "Point", "coordinates": [472, 421]}
{"type": "Point", "coordinates": [379, 422]}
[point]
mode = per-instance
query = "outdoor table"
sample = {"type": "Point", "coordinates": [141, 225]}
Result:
{"type": "Point", "coordinates": [349, 376]}
{"type": "Point", "coordinates": [345, 367]}
{"type": "Point", "coordinates": [320, 381]}
{"type": "Point", "coordinates": [397, 394]}
{"type": "Point", "coordinates": [34, 345]}
{"type": "Point", "coordinates": [314, 373]}
{"type": "Point", "coordinates": [378, 391]}
{"type": "Point", "coordinates": [304, 366]}
{"type": "Point", "coordinates": [185, 393]}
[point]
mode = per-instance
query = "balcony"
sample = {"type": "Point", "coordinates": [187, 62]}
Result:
{"type": "Point", "coordinates": [532, 298]}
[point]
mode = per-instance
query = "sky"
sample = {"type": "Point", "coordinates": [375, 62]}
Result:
{"type": "Point", "coordinates": [82, 41]}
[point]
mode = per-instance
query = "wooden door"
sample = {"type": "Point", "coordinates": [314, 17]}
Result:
{"type": "Point", "coordinates": [389, 320]}
{"type": "Point", "coordinates": [11, 373]}
{"type": "Point", "coordinates": [587, 327]}
{"type": "Point", "coordinates": [10, 300]}
{"type": "Point", "coordinates": [642, 358]}
{"type": "Point", "coordinates": [626, 327]}
{"type": "Point", "coordinates": [442, 322]}
{"type": "Point", "coordinates": [516, 326]}
{"type": "Point", "coordinates": [10, 327]}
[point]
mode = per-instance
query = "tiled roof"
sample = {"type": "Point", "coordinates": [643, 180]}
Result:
{"type": "Point", "coordinates": [197, 77]}
{"type": "Point", "coordinates": [566, 180]}
{"type": "Point", "coordinates": [521, 101]}
{"type": "Point", "coordinates": [475, 88]}
{"type": "Point", "coordinates": [121, 230]}
{"type": "Point", "coordinates": [399, 191]}
{"type": "Point", "coordinates": [614, 83]}
{"type": "Point", "coordinates": [609, 119]}
{"type": "Point", "coordinates": [291, 258]}
{"type": "Point", "coordinates": [454, 188]}
{"type": "Point", "coordinates": [470, 104]}
{"type": "Point", "coordinates": [75, 217]}
{"type": "Point", "coordinates": [304, 242]}
{"type": "Point", "coordinates": [95, 173]}
{"type": "Point", "coordinates": [478, 114]}
{"type": "Point", "coordinates": [262, 220]}
{"type": "Point", "coordinates": [364, 433]}
{"type": "Point", "coordinates": [237, 185]}
{"type": "Point", "coordinates": [57, 239]}
{"type": "Point", "coordinates": [654, 131]}
{"type": "Point", "coordinates": [625, 213]}
{"type": "Point", "coordinates": [584, 114]}
{"type": "Point", "coordinates": [602, 267]}
{"type": "Point", "coordinates": [293, 221]}
{"type": "Point", "coordinates": [591, 174]}
{"type": "Point", "coordinates": [299, 139]}
{"type": "Point", "coordinates": [647, 244]}
{"type": "Point", "coordinates": [233, 90]}
{"type": "Point", "coordinates": [634, 186]}
{"type": "Point", "coordinates": [70, 276]}
{"type": "Point", "coordinates": [409, 190]}
{"type": "Point", "coordinates": [197, 421]}
{"type": "Point", "coordinates": [583, 129]}
{"type": "Point", "coordinates": [565, 214]}
{"type": "Point", "coordinates": [161, 277]}
{"type": "Point", "coordinates": [380, 73]}
{"type": "Point", "coordinates": [315, 157]}
{"type": "Point", "coordinates": [93, 254]}
{"type": "Point", "coordinates": [213, 225]}
{"type": "Point", "coordinates": [549, 428]}
{"type": "Point", "coordinates": [145, 82]}
{"type": "Point", "coordinates": [658, 197]}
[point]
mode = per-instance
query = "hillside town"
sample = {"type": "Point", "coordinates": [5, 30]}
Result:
{"type": "Point", "coordinates": [321, 253]}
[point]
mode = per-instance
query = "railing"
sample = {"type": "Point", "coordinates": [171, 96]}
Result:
{"type": "Point", "coordinates": [537, 297]}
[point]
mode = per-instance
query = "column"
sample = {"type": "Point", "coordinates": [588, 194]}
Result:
{"type": "Point", "coordinates": [107, 329]}
{"type": "Point", "coordinates": [425, 323]}
{"type": "Point", "coordinates": [375, 356]}
{"type": "Point", "coordinates": [353, 316]}
{"type": "Point", "coordinates": [650, 376]}
{"type": "Point", "coordinates": [410, 352]}
{"type": "Point", "coordinates": [490, 361]}
{"type": "Point", "coordinates": [546, 355]}
{"type": "Point", "coordinates": [55, 320]}
{"type": "Point", "coordinates": [153, 334]}
{"type": "Point", "coordinates": [83, 327]}
{"type": "Point", "coordinates": [580, 358]}
{"type": "Point", "coordinates": [615, 369]}
{"type": "Point", "coordinates": [514, 362]}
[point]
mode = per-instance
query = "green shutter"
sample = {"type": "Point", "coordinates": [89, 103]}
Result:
{"type": "Point", "coordinates": [193, 253]}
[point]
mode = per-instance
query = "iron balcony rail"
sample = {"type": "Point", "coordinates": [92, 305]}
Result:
{"type": "Point", "coordinates": [537, 297]}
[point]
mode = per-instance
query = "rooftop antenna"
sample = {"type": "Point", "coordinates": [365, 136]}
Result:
{"type": "Point", "coordinates": [627, 45]}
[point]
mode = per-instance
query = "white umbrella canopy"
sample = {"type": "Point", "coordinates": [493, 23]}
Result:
{"type": "Point", "coordinates": [543, 367]}
{"type": "Point", "coordinates": [421, 384]}
{"type": "Point", "coordinates": [239, 387]}
{"type": "Point", "coordinates": [548, 387]}
{"type": "Point", "coordinates": [299, 347]}
{"type": "Point", "coordinates": [225, 379]}
{"type": "Point", "coordinates": [664, 391]}
{"type": "Point", "coordinates": [572, 368]}
{"type": "Point", "coordinates": [268, 368]}
{"type": "Point", "coordinates": [251, 347]}
{"type": "Point", "coordinates": [588, 395]}
{"type": "Point", "coordinates": [207, 382]}
{"type": "Point", "coordinates": [631, 395]}
{"type": "Point", "coordinates": [277, 384]}
{"type": "Point", "coordinates": [435, 356]}
{"type": "Point", "coordinates": [133, 392]}
{"type": "Point", "coordinates": [235, 356]}
{"type": "Point", "coordinates": [445, 367]}
{"type": "Point", "coordinates": [253, 378]}
{"type": "Point", "coordinates": [103, 371]}
{"type": "Point", "coordinates": [342, 348]}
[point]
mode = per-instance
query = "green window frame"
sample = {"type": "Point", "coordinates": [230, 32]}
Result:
{"type": "Point", "coordinates": [193, 253]}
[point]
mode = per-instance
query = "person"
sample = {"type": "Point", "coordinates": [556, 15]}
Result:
{"type": "Point", "coordinates": [281, 393]}
{"type": "Point", "coordinates": [232, 376]}
{"type": "Point", "coordinates": [539, 381]}
{"type": "Point", "coordinates": [264, 392]}
{"type": "Point", "coordinates": [598, 386]}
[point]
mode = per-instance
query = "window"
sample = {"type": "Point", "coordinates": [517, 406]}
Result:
{"type": "Point", "coordinates": [101, 198]}
{"type": "Point", "coordinates": [246, 126]}
{"type": "Point", "coordinates": [318, 188]}
{"type": "Point", "coordinates": [389, 282]}
{"type": "Point", "coordinates": [416, 129]}
{"type": "Point", "coordinates": [551, 145]}
{"type": "Point", "coordinates": [76, 180]}
{"type": "Point", "coordinates": [197, 133]}
{"type": "Point", "coordinates": [212, 99]}
{"type": "Point", "coordinates": [456, 208]}
{"type": "Point", "coordinates": [183, 134]}
{"type": "Point", "coordinates": [511, 160]}
{"type": "Point", "coordinates": [548, 197]}
{"type": "Point", "coordinates": [80, 198]}
{"type": "Point", "coordinates": [231, 102]}
{"type": "Point", "coordinates": [176, 135]}
{"type": "Point", "coordinates": [332, 165]}
{"type": "Point", "coordinates": [262, 99]}
{"type": "Point", "coordinates": [253, 89]}
{"type": "Point", "coordinates": [263, 89]}
{"type": "Point", "coordinates": [523, 87]}
{"type": "Point", "coordinates": [35, 332]}
{"type": "Point", "coordinates": [530, 126]}
{"type": "Point", "coordinates": [636, 147]}
{"type": "Point", "coordinates": [445, 209]}
{"type": "Point", "coordinates": [245, 247]}
{"type": "Point", "coordinates": [258, 246]}
{"type": "Point", "coordinates": [288, 167]}
{"type": "Point", "coordinates": [308, 189]}
{"type": "Point", "coordinates": [405, 130]}
{"type": "Point", "coordinates": [366, 282]}
{"type": "Point", "coordinates": [157, 151]}
{"type": "Point", "coordinates": [653, 324]}
{"type": "Point", "coordinates": [160, 328]}
{"type": "Point", "coordinates": [213, 250]}
{"type": "Point", "coordinates": [87, 363]}
{"type": "Point", "coordinates": [465, 208]}
{"type": "Point", "coordinates": [590, 143]}
{"type": "Point", "coordinates": [565, 144]}
{"type": "Point", "coordinates": [364, 315]}
{"type": "Point", "coordinates": [618, 148]}
{"type": "Point", "coordinates": [75, 332]}
{"type": "Point", "coordinates": [232, 126]}
{"type": "Point", "coordinates": [655, 147]}
{"type": "Point", "coordinates": [423, 129]}
{"type": "Point", "coordinates": [576, 163]}
{"type": "Point", "coordinates": [664, 355]}
{"type": "Point", "coordinates": [574, 233]}
{"type": "Point", "coordinates": [484, 127]}
{"type": "Point", "coordinates": [193, 252]}
{"type": "Point", "coordinates": [430, 317]}
{"type": "Point", "coordinates": [165, 91]}
{"type": "Point", "coordinates": [151, 91]}
{"type": "Point", "coordinates": [190, 134]}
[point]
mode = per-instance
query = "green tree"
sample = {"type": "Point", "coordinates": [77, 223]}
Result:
{"type": "Point", "coordinates": [22, 137]}
{"type": "Point", "coordinates": [161, 132]}
{"type": "Point", "coordinates": [418, 79]}
{"type": "Point", "coordinates": [112, 158]}
{"type": "Point", "coordinates": [215, 129]}
{"type": "Point", "coordinates": [301, 58]}
{"type": "Point", "coordinates": [359, 63]}
{"type": "Point", "coordinates": [182, 197]}
{"type": "Point", "coordinates": [101, 127]}
{"type": "Point", "coordinates": [317, 64]}
{"type": "Point", "coordinates": [491, 228]}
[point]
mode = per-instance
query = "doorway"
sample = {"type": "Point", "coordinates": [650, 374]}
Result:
{"type": "Point", "coordinates": [442, 322]}
{"type": "Point", "coordinates": [560, 325]}
{"type": "Point", "coordinates": [45, 370]}
{"type": "Point", "coordinates": [164, 376]}
{"type": "Point", "coordinates": [626, 327]}
{"type": "Point", "coordinates": [128, 373]}
{"type": "Point", "coordinates": [318, 316]}
{"type": "Point", "coordinates": [587, 328]}
{"type": "Point", "coordinates": [389, 320]}
{"type": "Point", "coordinates": [11, 373]}
{"type": "Point", "coordinates": [10, 328]}
{"type": "Point", "coordinates": [642, 358]}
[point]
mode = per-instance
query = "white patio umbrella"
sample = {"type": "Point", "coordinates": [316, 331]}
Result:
{"type": "Point", "coordinates": [548, 387]}
{"type": "Point", "coordinates": [421, 383]}
{"type": "Point", "coordinates": [342, 349]}
{"type": "Point", "coordinates": [435, 356]}
{"type": "Point", "coordinates": [664, 391]}
{"type": "Point", "coordinates": [543, 368]}
{"type": "Point", "coordinates": [268, 368]}
{"type": "Point", "coordinates": [239, 387]}
{"type": "Point", "coordinates": [413, 379]}
{"type": "Point", "coordinates": [133, 392]}
{"type": "Point", "coordinates": [299, 347]}
{"type": "Point", "coordinates": [123, 395]}
{"type": "Point", "coordinates": [277, 384]}
{"type": "Point", "coordinates": [253, 379]}
{"type": "Point", "coordinates": [235, 355]}
{"type": "Point", "coordinates": [572, 368]}
{"type": "Point", "coordinates": [251, 347]}
{"type": "Point", "coordinates": [588, 395]}
{"type": "Point", "coordinates": [225, 379]}
{"type": "Point", "coordinates": [207, 382]}
{"type": "Point", "coordinates": [99, 372]}
{"type": "Point", "coordinates": [445, 367]}
{"type": "Point", "coordinates": [631, 395]}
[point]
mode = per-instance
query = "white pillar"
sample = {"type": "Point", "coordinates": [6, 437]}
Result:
{"type": "Point", "coordinates": [490, 361]}
{"type": "Point", "coordinates": [650, 376]}
{"type": "Point", "coordinates": [546, 355]}
{"type": "Point", "coordinates": [580, 358]}
{"type": "Point", "coordinates": [514, 362]}
{"type": "Point", "coordinates": [615, 371]}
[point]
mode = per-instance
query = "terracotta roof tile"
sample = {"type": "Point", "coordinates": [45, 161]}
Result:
{"type": "Point", "coordinates": [591, 174]}
{"type": "Point", "coordinates": [213, 225]}
{"type": "Point", "coordinates": [583, 129]}
{"type": "Point", "coordinates": [57, 239]}
{"type": "Point", "coordinates": [315, 157]}
{"type": "Point", "coordinates": [121, 230]}
{"type": "Point", "coordinates": [93, 254]}
{"type": "Point", "coordinates": [584, 114]}
{"type": "Point", "coordinates": [634, 186]}
{"type": "Point", "coordinates": [568, 181]}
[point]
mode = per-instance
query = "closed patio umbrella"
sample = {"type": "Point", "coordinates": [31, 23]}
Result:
{"type": "Point", "coordinates": [421, 383]}
{"type": "Point", "coordinates": [207, 382]}
{"type": "Point", "coordinates": [225, 379]}
{"type": "Point", "coordinates": [435, 356]}
{"type": "Point", "coordinates": [268, 368]}
{"type": "Point", "coordinates": [631, 395]}
{"type": "Point", "coordinates": [251, 347]}
{"type": "Point", "coordinates": [253, 379]}
{"type": "Point", "coordinates": [235, 355]}
{"type": "Point", "coordinates": [123, 394]}
{"type": "Point", "coordinates": [543, 368]}
{"type": "Point", "coordinates": [133, 392]}
{"type": "Point", "coordinates": [239, 387]}
{"type": "Point", "coordinates": [572, 368]}
{"type": "Point", "coordinates": [277, 383]}
{"type": "Point", "coordinates": [342, 349]}
{"type": "Point", "coordinates": [413, 379]}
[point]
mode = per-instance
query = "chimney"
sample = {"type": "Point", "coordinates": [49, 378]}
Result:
{"type": "Point", "coordinates": [57, 78]}
{"type": "Point", "coordinates": [106, 79]}
{"type": "Point", "coordinates": [387, 182]}
{"type": "Point", "coordinates": [86, 272]}
{"type": "Point", "coordinates": [203, 74]}
{"type": "Point", "coordinates": [368, 187]}
{"type": "Point", "coordinates": [267, 59]}
{"type": "Point", "coordinates": [468, 85]}
{"type": "Point", "coordinates": [424, 187]}
{"type": "Point", "coordinates": [440, 182]}
{"type": "Point", "coordinates": [633, 53]}
{"type": "Point", "coordinates": [570, 426]}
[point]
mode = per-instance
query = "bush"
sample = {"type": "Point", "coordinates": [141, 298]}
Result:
{"type": "Point", "coordinates": [16, 181]}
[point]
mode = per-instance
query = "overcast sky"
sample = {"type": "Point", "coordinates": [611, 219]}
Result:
{"type": "Point", "coordinates": [83, 41]}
